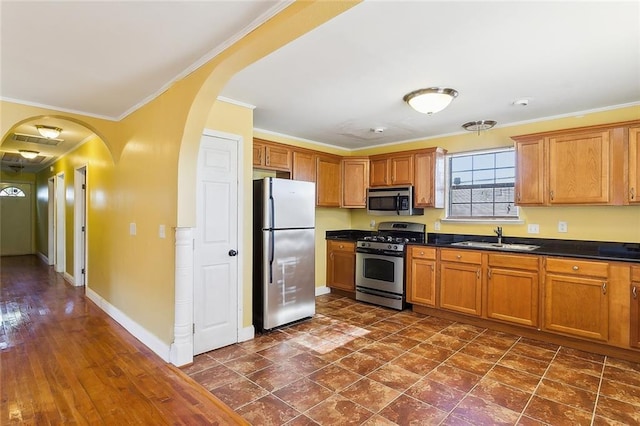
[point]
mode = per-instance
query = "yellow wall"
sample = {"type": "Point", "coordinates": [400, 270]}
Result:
{"type": "Point", "coordinates": [605, 223]}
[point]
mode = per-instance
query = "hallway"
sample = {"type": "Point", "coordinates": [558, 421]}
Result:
{"type": "Point", "coordinates": [63, 360]}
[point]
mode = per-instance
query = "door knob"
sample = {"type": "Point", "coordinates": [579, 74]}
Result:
{"type": "Point", "coordinates": [232, 252]}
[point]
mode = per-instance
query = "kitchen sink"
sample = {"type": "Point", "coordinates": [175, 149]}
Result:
{"type": "Point", "coordinates": [496, 246]}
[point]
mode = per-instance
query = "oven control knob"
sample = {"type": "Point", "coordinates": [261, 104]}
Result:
{"type": "Point", "coordinates": [389, 246]}
{"type": "Point", "coordinates": [395, 247]}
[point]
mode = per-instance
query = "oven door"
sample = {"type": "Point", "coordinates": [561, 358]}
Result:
{"type": "Point", "coordinates": [380, 272]}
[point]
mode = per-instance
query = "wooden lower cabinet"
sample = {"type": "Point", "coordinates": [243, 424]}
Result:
{"type": "Point", "coordinates": [635, 307]}
{"type": "Point", "coordinates": [421, 275]}
{"type": "Point", "coordinates": [513, 289]}
{"type": "Point", "coordinates": [575, 298]}
{"type": "Point", "coordinates": [461, 281]}
{"type": "Point", "coordinates": [341, 265]}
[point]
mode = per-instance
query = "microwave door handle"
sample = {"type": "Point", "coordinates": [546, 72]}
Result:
{"type": "Point", "coordinates": [398, 204]}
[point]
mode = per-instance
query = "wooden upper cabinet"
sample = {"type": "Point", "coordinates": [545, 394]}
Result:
{"type": "Point", "coordinates": [304, 166]}
{"type": "Point", "coordinates": [633, 193]}
{"type": "Point", "coordinates": [355, 181]}
{"type": "Point", "coordinates": [579, 168]}
{"type": "Point", "coordinates": [328, 181]}
{"type": "Point", "coordinates": [428, 179]}
{"type": "Point", "coordinates": [271, 156]}
{"type": "Point", "coordinates": [391, 170]}
{"type": "Point", "coordinates": [530, 172]}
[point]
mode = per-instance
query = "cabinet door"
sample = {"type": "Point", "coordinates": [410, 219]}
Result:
{"type": "Point", "coordinates": [278, 158]}
{"type": "Point", "coordinates": [258, 154]}
{"type": "Point", "coordinates": [304, 166]}
{"type": "Point", "coordinates": [576, 306]}
{"type": "Point", "coordinates": [512, 296]}
{"type": "Point", "coordinates": [530, 177]}
{"type": "Point", "coordinates": [341, 265]}
{"type": "Point", "coordinates": [461, 288]}
{"type": "Point", "coordinates": [634, 341]}
{"type": "Point", "coordinates": [421, 275]}
{"type": "Point", "coordinates": [423, 191]}
{"type": "Point", "coordinates": [355, 180]}
{"type": "Point", "coordinates": [579, 168]}
{"type": "Point", "coordinates": [328, 188]}
{"type": "Point", "coordinates": [402, 170]}
{"type": "Point", "coordinates": [379, 172]}
{"type": "Point", "coordinates": [634, 165]}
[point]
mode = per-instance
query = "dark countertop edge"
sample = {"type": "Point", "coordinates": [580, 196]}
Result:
{"type": "Point", "coordinates": [584, 249]}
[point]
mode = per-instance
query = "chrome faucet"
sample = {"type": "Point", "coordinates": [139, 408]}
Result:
{"type": "Point", "coordinates": [498, 232]}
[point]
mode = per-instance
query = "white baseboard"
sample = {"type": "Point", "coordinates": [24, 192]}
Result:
{"type": "Point", "coordinates": [322, 290]}
{"type": "Point", "coordinates": [149, 340]}
{"type": "Point", "coordinates": [42, 257]}
{"type": "Point", "coordinates": [69, 278]}
{"type": "Point", "coordinates": [246, 333]}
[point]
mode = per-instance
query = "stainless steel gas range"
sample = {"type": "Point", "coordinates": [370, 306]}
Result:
{"type": "Point", "coordinates": [380, 263]}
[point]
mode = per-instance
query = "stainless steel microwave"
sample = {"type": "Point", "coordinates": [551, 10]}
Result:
{"type": "Point", "coordinates": [392, 200]}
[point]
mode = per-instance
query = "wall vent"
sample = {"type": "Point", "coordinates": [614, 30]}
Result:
{"type": "Point", "coordinates": [15, 158]}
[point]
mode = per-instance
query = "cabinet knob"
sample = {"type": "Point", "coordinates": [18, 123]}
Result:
{"type": "Point", "coordinates": [575, 268]}
{"type": "Point", "coordinates": [341, 246]}
{"type": "Point", "coordinates": [459, 256]}
{"type": "Point", "coordinates": [421, 253]}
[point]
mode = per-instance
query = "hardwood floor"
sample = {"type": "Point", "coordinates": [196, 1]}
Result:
{"type": "Point", "coordinates": [63, 360]}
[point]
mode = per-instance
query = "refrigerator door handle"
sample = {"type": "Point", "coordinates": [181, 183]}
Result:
{"type": "Point", "coordinates": [272, 208]}
{"type": "Point", "coordinates": [272, 249]}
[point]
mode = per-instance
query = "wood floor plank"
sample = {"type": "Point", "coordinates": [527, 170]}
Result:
{"type": "Point", "coordinates": [64, 361]}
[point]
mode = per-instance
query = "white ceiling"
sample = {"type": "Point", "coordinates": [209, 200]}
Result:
{"type": "Point", "coordinates": [336, 83]}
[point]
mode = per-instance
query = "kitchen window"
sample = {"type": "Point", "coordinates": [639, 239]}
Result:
{"type": "Point", "coordinates": [481, 185]}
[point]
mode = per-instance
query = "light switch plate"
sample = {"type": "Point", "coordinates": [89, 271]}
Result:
{"type": "Point", "coordinates": [436, 225]}
{"type": "Point", "coordinates": [132, 228]}
{"type": "Point", "coordinates": [162, 231]}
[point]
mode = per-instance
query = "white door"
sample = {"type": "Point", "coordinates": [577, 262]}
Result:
{"type": "Point", "coordinates": [216, 241]}
{"type": "Point", "coordinates": [59, 223]}
{"type": "Point", "coordinates": [80, 226]}
{"type": "Point", "coordinates": [15, 219]}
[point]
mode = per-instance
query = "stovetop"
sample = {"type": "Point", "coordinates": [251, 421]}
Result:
{"type": "Point", "coordinates": [392, 236]}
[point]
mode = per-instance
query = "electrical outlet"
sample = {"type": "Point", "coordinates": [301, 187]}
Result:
{"type": "Point", "coordinates": [562, 227]}
{"type": "Point", "coordinates": [162, 231]}
{"type": "Point", "coordinates": [436, 225]}
{"type": "Point", "coordinates": [132, 228]}
{"type": "Point", "coordinates": [533, 228]}
{"type": "Point", "coordinates": [372, 223]}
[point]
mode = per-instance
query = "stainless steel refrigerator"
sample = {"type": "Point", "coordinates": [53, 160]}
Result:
{"type": "Point", "coordinates": [283, 252]}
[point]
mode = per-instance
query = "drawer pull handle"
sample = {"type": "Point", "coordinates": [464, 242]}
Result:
{"type": "Point", "coordinates": [604, 287]}
{"type": "Point", "coordinates": [459, 256]}
{"type": "Point", "coordinates": [341, 246]}
{"type": "Point", "coordinates": [421, 253]}
{"type": "Point", "coordinates": [635, 292]}
{"type": "Point", "coordinates": [575, 268]}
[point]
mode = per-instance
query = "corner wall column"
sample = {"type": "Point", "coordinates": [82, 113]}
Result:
{"type": "Point", "coordinates": [182, 346]}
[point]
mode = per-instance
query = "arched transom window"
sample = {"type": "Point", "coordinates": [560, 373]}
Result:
{"type": "Point", "coordinates": [12, 191]}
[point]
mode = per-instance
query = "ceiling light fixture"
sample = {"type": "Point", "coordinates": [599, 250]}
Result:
{"type": "Point", "coordinates": [431, 100]}
{"type": "Point", "coordinates": [479, 125]}
{"type": "Point", "coordinates": [28, 154]}
{"type": "Point", "coordinates": [48, 132]}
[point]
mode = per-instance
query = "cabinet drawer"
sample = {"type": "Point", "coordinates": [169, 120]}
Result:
{"type": "Point", "coordinates": [635, 273]}
{"type": "Point", "coordinates": [578, 267]}
{"type": "Point", "coordinates": [464, 256]}
{"type": "Point", "coordinates": [422, 252]}
{"type": "Point", "coordinates": [337, 245]}
{"type": "Point", "coordinates": [514, 261]}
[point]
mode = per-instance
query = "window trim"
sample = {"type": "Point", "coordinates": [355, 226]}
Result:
{"type": "Point", "coordinates": [480, 220]}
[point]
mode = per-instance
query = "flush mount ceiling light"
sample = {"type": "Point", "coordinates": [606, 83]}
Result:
{"type": "Point", "coordinates": [479, 125]}
{"type": "Point", "coordinates": [48, 132]}
{"type": "Point", "coordinates": [28, 154]}
{"type": "Point", "coordinates": [431, 100]}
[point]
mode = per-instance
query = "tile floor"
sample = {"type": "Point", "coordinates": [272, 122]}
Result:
{"type": "Point", "coordinates": [364, 365]}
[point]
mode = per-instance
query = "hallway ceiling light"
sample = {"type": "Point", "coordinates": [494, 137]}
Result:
{"type": "Point", "coordinates": [479, 125]}
{"type": "Point", "coordinates": [431, 100]}
{"type": "Point", "coordinates": [48, 132]}
{"type": "Point", "coordinates": [29, 154]}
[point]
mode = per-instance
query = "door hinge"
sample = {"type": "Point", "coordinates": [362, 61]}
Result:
{"type": "Point", "coordinates": [83, 272]}
{"type": "Point", "coordinates": [84, 186]}
{"type": "Point", "coordinates": [194, 328]}
{"type": "Point", "coordinates": [83, 229]}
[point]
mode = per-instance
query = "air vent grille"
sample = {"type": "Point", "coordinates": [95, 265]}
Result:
{"type": "Point", "coordinates": [15, 158]}
{"type": "Point", "coordinates": [21, 137]}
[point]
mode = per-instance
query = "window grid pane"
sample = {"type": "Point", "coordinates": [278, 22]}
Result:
{"type": "Point", "coordinates": [482, 185]}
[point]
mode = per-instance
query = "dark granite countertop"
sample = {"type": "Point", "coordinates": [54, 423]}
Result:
{"type": "Point", "coordinates": [599, 250]}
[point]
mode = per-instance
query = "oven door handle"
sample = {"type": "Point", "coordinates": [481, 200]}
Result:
{"type": "Point", "coordinates": [375, 293]}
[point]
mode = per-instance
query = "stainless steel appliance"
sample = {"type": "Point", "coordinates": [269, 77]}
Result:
{"type": "Point", "coordinates": [392, 200]}
{"type": "Point", "coordinates": [380, 263]}
{"type": "Point", "coordinates": [283, 252]}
